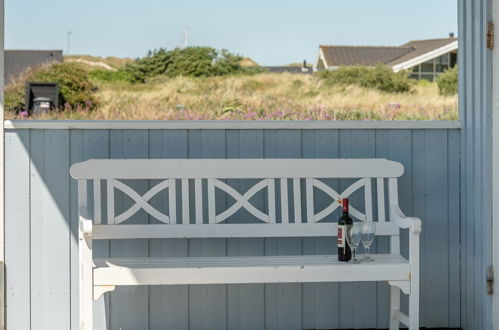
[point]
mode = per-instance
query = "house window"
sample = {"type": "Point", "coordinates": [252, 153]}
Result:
{"type": "Point", "coordinates": [428, 66]}
{"type": "Point", "coordinates": [432, 69]}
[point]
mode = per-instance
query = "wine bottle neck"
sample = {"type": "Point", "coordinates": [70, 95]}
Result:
{"type": "Point", "coordinates": [345, 206]}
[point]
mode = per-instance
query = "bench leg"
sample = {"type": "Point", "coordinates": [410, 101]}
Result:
{"type": "Point", "coordinates": [86, 284]}
{"type": "Point", "coordinates": [394, 307]}
{"type": "Point", "coordinates": [414, 305]}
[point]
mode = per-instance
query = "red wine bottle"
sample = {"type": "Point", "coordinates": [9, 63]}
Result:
{"type": "Point", "coordinates": [344, 225]}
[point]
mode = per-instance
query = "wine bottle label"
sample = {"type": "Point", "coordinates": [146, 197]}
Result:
{"type": "Point", "coordinates": [341, 236]}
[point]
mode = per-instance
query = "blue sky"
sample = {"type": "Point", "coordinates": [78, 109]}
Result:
{"type": "Point", "coordinates": [270, 32]}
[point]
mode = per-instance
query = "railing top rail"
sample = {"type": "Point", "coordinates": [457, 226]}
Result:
{"type": "Point", "coordinates": [225, 124]}
{"type": "Point", "coordinates": [235, 168]}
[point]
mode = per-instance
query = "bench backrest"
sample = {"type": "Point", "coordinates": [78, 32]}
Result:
{"type": "Point", "coordinates": [194, 189]}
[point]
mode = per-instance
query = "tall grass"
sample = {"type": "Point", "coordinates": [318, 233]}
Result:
{"type": "Point", "coordinates": [264, 96]}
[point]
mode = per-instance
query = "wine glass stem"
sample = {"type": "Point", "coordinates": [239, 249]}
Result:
{"type": "Point", "coordinates": [354, 254]}
{"type": "Point", "coordinates": [367, 252]}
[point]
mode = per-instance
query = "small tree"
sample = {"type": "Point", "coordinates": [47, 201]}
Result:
{"type": "Point", "coordinates": [448, 82]}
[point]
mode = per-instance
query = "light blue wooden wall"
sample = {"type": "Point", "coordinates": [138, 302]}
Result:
{"type": "Point", "coordinates": [41, 230]}
{"type": "Point", "coordinates": [475, 68]}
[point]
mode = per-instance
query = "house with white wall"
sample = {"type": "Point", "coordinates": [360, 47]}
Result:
{"type": "Point", "coordinates": [424, 59]}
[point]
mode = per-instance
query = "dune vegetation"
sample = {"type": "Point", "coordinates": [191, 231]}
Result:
{"type": "Point", "coordinates": [255, 95]}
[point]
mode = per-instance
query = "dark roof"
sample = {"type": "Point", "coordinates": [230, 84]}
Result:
{"type": "Point", "coordinates": [362, 55]}
{"type": "Point", "coordinates": [289, 69]}
{"type": "Point", "coordinates": [421, 47]}
{"type": "Point", "coordinates": [372, 55]}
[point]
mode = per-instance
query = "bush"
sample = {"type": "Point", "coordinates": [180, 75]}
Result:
{"type": "Point", "coordinates": [74, 85]}
{"type": "Point", "coordinates": [448, 82]}
{"type": "Point", "coordinates": [110, 76]}
{"type": "Point", "coordinates": [380, 77]}
{"type": "Point", "coordinates": [190, 62]}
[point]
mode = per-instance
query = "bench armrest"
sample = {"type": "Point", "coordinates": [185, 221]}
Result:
{"type": "Point", "coordinates": [86, 227]}
{"type": "Point", "coordinates": [403, 222]}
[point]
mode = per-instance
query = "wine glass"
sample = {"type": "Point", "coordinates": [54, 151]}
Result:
{"type": "Point", "coordinates": [353, 238]}
{"type": "Point", "coordinates": [368, 230]}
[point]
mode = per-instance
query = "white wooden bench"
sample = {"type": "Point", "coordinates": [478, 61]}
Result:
{"type": "Point", "coordinates": [289, 186]}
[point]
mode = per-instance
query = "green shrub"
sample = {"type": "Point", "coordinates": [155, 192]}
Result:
{"type": "Point", "coordinates": [190, 62]}
{"type": "Point", "coordinates": [379, 77]}
{"type": "Point", "coordinates": [448, 82]}
{"type": "Point", "coordinates": [74, 85]}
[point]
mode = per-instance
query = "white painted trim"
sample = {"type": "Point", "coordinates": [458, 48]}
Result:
{"type": "Point", "coordinates": [495, 169]}
{"type": "Point", "coordinates": [3, 283]}
{"type": "Point", "coordinates": [426, 57]}
{"type": "Point", "coordinates": [229, 125]}
{"type": "Point", "coordinates": [322, 58]}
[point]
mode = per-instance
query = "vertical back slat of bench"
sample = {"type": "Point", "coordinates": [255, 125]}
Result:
{"type": "Point", "coordinates": [310, 200]}
{"type": "Point", "coordinates": [368, 199]}
{"type": "Point", "coordinates": [185, 201]}
{"type": "Point", "coordinates": [97, 202]}
{"type": "Point", "coordinates": [110, 202]}
{"type": "Point", "coordinates": [284, 201]}
{"type": "Point", "coordinates": [211, 202]}
{"type": "Point", "coordinates": [380, 185]}
{"type": "Point", "coordinates": [271, 199]}
{"type": "Point", "coordinates": [82, 199]}
{"type": "Point", "coordinates": [172, 201]}
{"type": "Point", "coordinates": [198, 188]}
{"type": "Point", "coordinates": [297, 199]}
{"type": "Point", "coordinates": [393, 200]}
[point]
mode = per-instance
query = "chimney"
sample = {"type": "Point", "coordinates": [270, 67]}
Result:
{"type": "Point", "coordinates": [451, 35]}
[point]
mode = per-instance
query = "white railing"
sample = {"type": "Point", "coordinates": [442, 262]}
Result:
{"type": "Point", "coordinates": [225, 124]}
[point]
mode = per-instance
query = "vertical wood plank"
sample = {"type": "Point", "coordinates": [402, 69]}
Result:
{"type": "Point", "coordinates": [368, 199]}
{"type": "Point", "coordinates": [310, 200]}
{"type": "Point", "coordinates": [418, 205]}
{"type": "Point", "coordinates": [212, 215]}
{"type": "Point", "coordinates": [245, 302]}
{"type": "Point", "coordinates": [172, 201]}
{"type": "Point", "coordinates": [454, 227]}
{"type": "Point", "coordinates": [50, 230]}
{"type": "Point", "coordinates": [168, 305]}
{"type": "Point", "coordinates": [208, 303]}
{"type": "Point", "coordinates": [283, 301]}
{"type": "Point", "coordinates": [436, 238]}
{"type": "Point", "coordinates": [97, 202]}
{"type": "Point", "coordinates": [17, 229]}
{"type": "Point", "coordinates": [84, 145]}
{"type": "Point", "coordinates": [271, 200]}
{"type": "Point", "coordinates": [111, 219]}
{"type": "Point", "coordinates": [284, 201]}
{"type": "Point", "coordinates": [185, 202]}
{"type": "Point", "coordinates": [363, 145]}
{"type": "Point", "coordinates": [199, 201]}
{"type": "Point", "coordinates": [320, 302]}
{"type": "Point", "coordinates": [380, 195]}
{"type": "Point", "coordinates": [129, 306]}
{"type": "Point", "coordinates": [297, 200]}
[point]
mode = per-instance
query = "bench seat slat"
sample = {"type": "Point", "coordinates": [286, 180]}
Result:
{"type": "Point", "coordinates": [261, 269]}
{"type": "Point", "coordinates": [227, 230]}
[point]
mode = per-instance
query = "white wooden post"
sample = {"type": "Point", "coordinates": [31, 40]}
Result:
{"type": "Point", "coordinates": [2, 177]}
{"type": "Point", "coordinates": [414, 295]}
{"type": "Point", "coordinates": [85, 259]}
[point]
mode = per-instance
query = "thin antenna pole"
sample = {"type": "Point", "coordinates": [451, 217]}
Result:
{"type": "Point", "coordinates": [69, 41]}
{"type": "Point", "coordinates": [186, 37]}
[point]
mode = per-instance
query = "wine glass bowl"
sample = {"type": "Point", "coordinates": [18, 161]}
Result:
{"type": "Point", "coordinates": [367, 236]}
{"type": "Point", "coordinates": [353, 239]}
